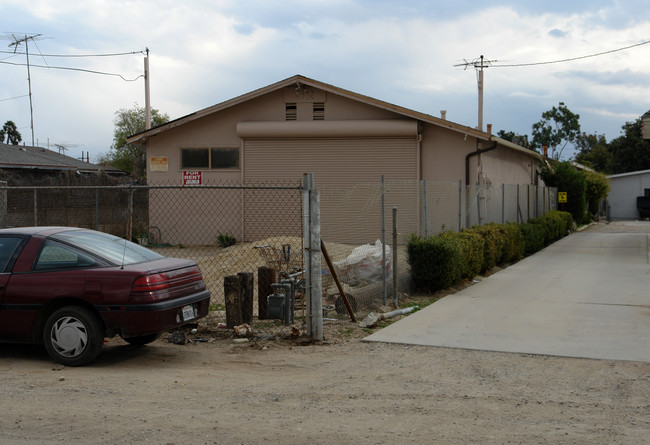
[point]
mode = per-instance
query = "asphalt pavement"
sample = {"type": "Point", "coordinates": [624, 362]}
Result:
{"type": "Point", "coordinates": [587, 295]}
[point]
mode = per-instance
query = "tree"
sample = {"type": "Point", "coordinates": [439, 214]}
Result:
{"type": "Point", "coordinates": [558, 127]}
{"type": "Point", "coordinates": [597, 190]}
{"type": "Point", "coordinates": [593, 151]}
{"type": "Point", "coordinates": [131, 157]}
{"type": "Point", "coordinates": [519, 139]}
{"type": "Point", "coordinates": [568, 179]}
{"type": "Point", "coordinates": [630, 152]}
{"type": "Point", "coordinates": [11, 132]}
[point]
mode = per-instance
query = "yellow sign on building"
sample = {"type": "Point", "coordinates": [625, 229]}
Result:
{"type": "Point", "coordinates": [561, 197]}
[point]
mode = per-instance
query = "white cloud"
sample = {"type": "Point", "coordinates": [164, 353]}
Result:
{"type": "Point", "coordinates": [204, 52]}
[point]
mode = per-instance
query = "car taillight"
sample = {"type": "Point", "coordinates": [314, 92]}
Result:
{"type": "Point", "coordinates": [150, 283]}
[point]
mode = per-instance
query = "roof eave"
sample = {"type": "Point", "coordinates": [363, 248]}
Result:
{"type": "Point", "coordinates": [143, 136]}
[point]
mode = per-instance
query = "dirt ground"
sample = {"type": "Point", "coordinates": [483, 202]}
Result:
{"type": "Point", "coordinates": [342, 391]}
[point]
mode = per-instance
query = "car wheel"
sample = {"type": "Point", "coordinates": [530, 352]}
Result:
{"type": "Point", "coordinates": [73, 336]}
{"type": "Point", "coordinates": [142, 340]}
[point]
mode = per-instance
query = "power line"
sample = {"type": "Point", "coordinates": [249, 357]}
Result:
{"type": "Point", "coordinates": [75, 69]}
{"type": "Point", "coordinates": [572, 58]}
{"type": "Point", "coordinates": [12, 98]}
{"type": "Point", "coordinates": [81, 55]}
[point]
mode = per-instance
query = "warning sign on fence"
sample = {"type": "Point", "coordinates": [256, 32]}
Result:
{"type": "Point", "coordinates": [192, 177]}
{"type": "Point", "coordinates": [561, 197]}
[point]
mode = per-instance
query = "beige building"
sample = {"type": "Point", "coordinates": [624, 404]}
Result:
{"type": "Point", "coordinates": [300, 125]}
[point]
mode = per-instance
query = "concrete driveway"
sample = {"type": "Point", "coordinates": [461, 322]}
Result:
{"type": "Point", "coordinates": [587, 295]}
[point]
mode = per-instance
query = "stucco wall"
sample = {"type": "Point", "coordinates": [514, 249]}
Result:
{"type": "Point", "coordinates": [624, 190]}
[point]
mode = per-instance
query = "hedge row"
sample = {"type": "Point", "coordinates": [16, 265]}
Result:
{"type": "Point", "coordinates": [440, 261]}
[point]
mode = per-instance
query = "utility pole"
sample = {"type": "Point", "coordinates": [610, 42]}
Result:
{"type": "Point", "coordinates": [147, 103]}
{"type": "Point", "coordinates": [479, 64]}
{"type": "Point", "coordinates": [15, 44]}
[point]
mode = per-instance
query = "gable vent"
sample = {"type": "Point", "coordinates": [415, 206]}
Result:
{"type": "Point", "coordinates": [319, 111]}
{"type": "Point", "coordinates": [291, 112]}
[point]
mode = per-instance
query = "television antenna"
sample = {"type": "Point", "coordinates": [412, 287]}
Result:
{"type": "Point", "coordinates": [64, 146]}
{"type": "Point", "coordinates": [478, 64]}
{"type": "Point", "coordinates": [18, 40]}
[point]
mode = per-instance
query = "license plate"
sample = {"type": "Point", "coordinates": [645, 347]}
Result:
{"type": "Point", "coordinates": [188, 312]}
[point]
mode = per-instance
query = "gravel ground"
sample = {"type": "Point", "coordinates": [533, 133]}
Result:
{"type": "Point", "coordinates": [341, 391]}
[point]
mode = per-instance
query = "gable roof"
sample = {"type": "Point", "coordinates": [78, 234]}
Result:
{"type": "Point", "coordinates": [23, 156]}
{"type": "Point", "coordinates": [298, 79]}
{"type": "Point", "coordinates": [301, 80]}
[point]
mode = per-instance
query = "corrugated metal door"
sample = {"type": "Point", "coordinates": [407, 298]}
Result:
{"type": "Point", "coordinates": [333, 161]}
{"type": "Point", "coordinates": [347, 214]}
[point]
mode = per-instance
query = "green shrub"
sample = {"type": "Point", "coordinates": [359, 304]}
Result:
{"type": "Point", "coordinates": [533, 235]}
{"type": "Point", "coordinates": [493, 244]}
{"type": "Point", "coordinates": [435, 262]}
{"type": "Point", "coordinates": [513, 249]}
{"type": "Point", "coordinates": [438, 262]}
{"type": "Point", "coordinates": [471, 250]}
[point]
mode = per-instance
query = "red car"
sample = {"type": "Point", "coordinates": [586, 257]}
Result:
{"type": "Point", "coordinates": [69, 288]}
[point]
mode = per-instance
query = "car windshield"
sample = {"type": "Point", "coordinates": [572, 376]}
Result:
{"type": "Point", "coordinates": [114, 249]}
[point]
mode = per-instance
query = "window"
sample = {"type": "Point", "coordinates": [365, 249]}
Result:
{"type": "Point", "coordinates": [291, 111]}
{"type": "Point", "coordinates": [209, 158]}
{"type": "Point", "coordinates": [8, 247]}
{"type": "Point", "coordinates": [195, 158]}
{"type": "Point", "coordinates": [56, 256]}
{"type": "Point", "coordinates": [224, 158]}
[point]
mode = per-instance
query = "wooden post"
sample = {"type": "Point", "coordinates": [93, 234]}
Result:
{"type": "Point", "coordinates": [233, 304]}
{"type": "Point", "coordinates": [246, 296]}
{"type": "Point", "coordinates": [265, 277]}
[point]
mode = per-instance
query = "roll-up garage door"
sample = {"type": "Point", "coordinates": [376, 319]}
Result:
{"type": "Point", "coordinates": [347, 171]}
{"type": "Point", "coordinates": [333, 161]}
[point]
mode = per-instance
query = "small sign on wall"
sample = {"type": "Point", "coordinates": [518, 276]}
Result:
{"type": "Point", "coordinates": [192, 177]}
{"type": "Point", "coordinates": [158, 164]}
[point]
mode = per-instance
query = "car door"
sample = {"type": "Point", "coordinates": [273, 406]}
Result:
{"type": "Point", "coordinates": [10, 248]}
{"type": "Point", "coordinates": [54, 270]}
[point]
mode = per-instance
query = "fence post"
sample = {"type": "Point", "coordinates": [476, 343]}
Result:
{"type": "Point", "coordinates": [96, 209]}
{"type": "Point", "coordinates": [246, 296]}
{"type": "Point", "coordinates": [383, 240]}
{"type": "Point", "coordinates": [520, 217]}
{"type": "Point", "coordinates": [460, 205]}
{"type": "Point", "coordinates": [528, 203]}
{"type": "Point", "coordinates": [4, 196]}
{"type": "Point", "coordinates": [265, 277]}
{"type": "Point", "coordinates": [503, 203]}
{"type": "Point", "coordinates": [129, 223]}
{"type": "Point", "coordinates": [424, 196]}
{"type": "Point", "coordinates": [478, 202]}
{"type": "Point", "coordinates": [232, 295]}
{"type": "Point", "coordinates": [35, 207]}
{"type": "Point", "coordinates": [314, 297]}
{"type": "Point", "coordinates": [395, 302]}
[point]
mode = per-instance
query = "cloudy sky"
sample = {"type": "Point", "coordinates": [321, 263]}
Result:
{"type": "Point", "coordinates": [203, 52]}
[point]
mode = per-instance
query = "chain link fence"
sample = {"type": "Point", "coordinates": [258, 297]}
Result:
{"type": "Point", "coordinates": [358, 230]}
{"type": "Point", "coordinates": [251, 236]}
{"type": "Point", "coordinates": [230, 230]}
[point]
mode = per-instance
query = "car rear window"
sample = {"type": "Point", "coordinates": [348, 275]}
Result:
{"type": "Point", "coordinates": [8, 246]}
{"type": "Point", "coordinates": [115, 250]}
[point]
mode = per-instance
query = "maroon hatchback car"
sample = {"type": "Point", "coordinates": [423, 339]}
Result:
{"type": "Point", "coordinates": [69, 288]}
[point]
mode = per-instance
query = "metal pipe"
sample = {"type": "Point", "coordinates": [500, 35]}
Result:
{"type": "Point", "coordinates": [383, 240]}
{"type": "Point", "coordinates": [395, 302]}
{"type": "Point", "coordinates": [426, 217]}
{"type": "Point", "coordinates": [476, 153]}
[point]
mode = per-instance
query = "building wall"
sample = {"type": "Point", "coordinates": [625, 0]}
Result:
{"type": "Point", "coordinates": [351, 154]}
{"type": "Point", "coordinates": [443, 154]}
{"type": "Point", "coordinates": [505, 166]}
{"type": "Point", "coordinates": [624, 190]}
